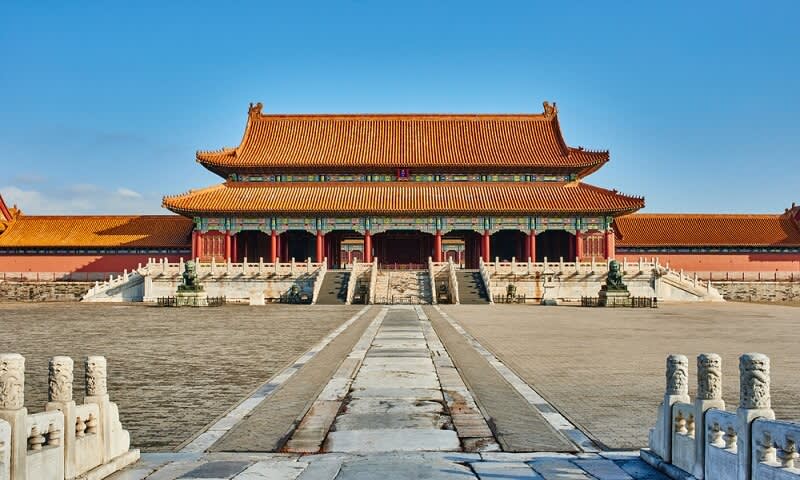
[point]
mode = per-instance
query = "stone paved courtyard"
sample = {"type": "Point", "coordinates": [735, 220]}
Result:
{"type": "Point", "coordinates": [171, 371]}
{"type": "Point", "coordinates": [396, 379]}
{"type": "Point", "coordinates": [604, 368]}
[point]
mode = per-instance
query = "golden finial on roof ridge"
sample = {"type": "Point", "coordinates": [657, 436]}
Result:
{"type": "Point", "coordinates": [550, 109]}
{"type": "Point", "coordinates": [255, 109]}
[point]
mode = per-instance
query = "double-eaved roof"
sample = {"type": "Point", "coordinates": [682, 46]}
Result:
{"type": "Point", "coordinates": [402, 198]}
{"type": "Point", "coordinates": [433, 142]}
{"type": "Point", "coordinates": [444, 143]}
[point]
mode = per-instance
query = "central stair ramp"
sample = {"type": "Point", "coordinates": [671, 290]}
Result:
{"type": "Point", "coordinates": [334, 288]}
{"type": "Point", "coordinates": [406, 287]}
{"type": "Point", "coordinates": [471, 289]}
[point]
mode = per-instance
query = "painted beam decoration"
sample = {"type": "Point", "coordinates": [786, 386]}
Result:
{"type": "Point", "coordinates": [382, 224]}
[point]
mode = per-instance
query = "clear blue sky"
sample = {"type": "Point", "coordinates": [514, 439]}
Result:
{"type": "Point", "coordinates": [103, 106]}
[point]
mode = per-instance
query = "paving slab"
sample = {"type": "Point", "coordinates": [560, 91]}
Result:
{"type": "Point", "coordinates": [399, 469]}
{"type": "Point", "coordinates": [396, 380]}
{"type": "Point", "coordinates": [640, 470]}
{"type": "Point", "coordinates": [399, 352]}
{"type": "Point", "coordinates": [603, 468]}
{"type": "Point", "coordinates": [272, 470]}
{"type": "Point", "coordinates": [362, 421]}
{"type": "Point", "coordinates": [392, 440]}
{"type": "Point", "coordinates": [421, 394]}
{"type": "Point", "coordinates": [219, 469]}
{"type": "Point", "coordinates": [392, 405]}
{"type": "Point", "coordinates": [558, 469]}
{"type": "Point", "coordinates": [504, 470]}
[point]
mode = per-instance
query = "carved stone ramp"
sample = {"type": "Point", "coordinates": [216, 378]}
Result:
{"type": "Point", "coordinates": [517, 425]}
{"type": "Point", "coordinates": [269, 425]}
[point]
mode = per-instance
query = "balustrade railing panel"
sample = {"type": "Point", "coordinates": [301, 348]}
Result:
{"type": "Point", "coordinates": [720, 439]}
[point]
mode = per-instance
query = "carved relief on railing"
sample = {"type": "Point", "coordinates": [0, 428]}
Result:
{"type": "Point", "coordinates": [775, 448]}
{"type": "Point", "coordinates": [721, 450]}
{"type": "Point", "coordinates": [96, 376]}
{"type": "Point", "coordinates": [12, 381]}
{"type": "Point", "coordinates": [60, 377]}
{"type": "Point", "coordinates": [709, 376]}
{"type": "Point", "coordinates": [677, 375]}
{"type": "Point", "coordinates": [45, 458]}
{"type": "Point", "coordinates": [754, 381]}
{"type": "Point", "coordinates": [683, 436]}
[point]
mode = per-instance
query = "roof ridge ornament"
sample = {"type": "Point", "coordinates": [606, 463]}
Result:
{"type": "Point", "coordinates": [550, 110]}
{"type": "Point", "coordinates": [255, 109]}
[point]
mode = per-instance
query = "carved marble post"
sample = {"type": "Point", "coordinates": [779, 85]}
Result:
{"type": "Point", "coordinates": [754, 402]}
{"type": "Point", "coordinates": [96, 382]}
{"type": "Point", "coordinates": [709, 395]}
{"type": "Point", "coordinates": [12, 409]}
{"type": "Point", "coordinates": [677, 391]}
{"type": "Point", "coordinates": [59, 396]}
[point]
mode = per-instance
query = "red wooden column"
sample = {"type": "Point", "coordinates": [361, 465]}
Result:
{"type": "Point", "coordinates": [228, 246]}
{"type": "Point", "coordinates": [200, 245]}
{"type": "Point", "coordinates": [578, 245]}
{"type": "Point", "coordinates": [367, 247]}
{"type": "Point", "coordinates": [610, 244]}
{"type": "Point", "coordinates": [532, 242]}
{"type": "Point", "coordinates": [320, 245]}
{"type": "Point", "coordinates": [194, 244]}
{"type": "Point", "coordinates": [485, 248]}
{"type": "Point", "coordinates": [234, 248]}
{"type": "Point", "coordinates": [273, 246]}
{"type": "Point", "coordinates": [437, 246]}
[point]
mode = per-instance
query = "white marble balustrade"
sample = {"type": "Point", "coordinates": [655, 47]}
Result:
{"type": "Point", "coordinates": [65, 441]}
{"type": "Point", "coordinates": [702, 440]}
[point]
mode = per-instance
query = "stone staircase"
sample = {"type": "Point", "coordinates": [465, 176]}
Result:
{"type": "Point", "coordinates": [471, 289]}
{"type": "Point", "coordinates": [334, 288]}
{"type": "Point", "coordinates": [403, 287]}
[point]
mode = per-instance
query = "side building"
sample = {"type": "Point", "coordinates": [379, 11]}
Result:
{"type": "Point", "coordinates": [76, 247]}
{"type": "Point", "coordinates": [707, 243]}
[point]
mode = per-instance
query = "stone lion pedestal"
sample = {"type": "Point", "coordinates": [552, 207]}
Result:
{"type": "Point", "coordinates": [190, 292]}
{"type": "Point", "coordinates": [614, 293]}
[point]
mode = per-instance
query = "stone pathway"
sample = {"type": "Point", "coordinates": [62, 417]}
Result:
{"type": "Point", "coordinates": [397, 391]}
{"type": "Point", "coordinates": [392, 466]}
{"type": "Point", "coordinates": [396, 406]}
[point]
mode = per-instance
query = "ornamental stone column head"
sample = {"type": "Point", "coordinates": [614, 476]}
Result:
{"type": "Point", "coordinates": [754, 381]}
{"type": "Point", "coordinates": [96, 377]}
{"type": "Point", "coordinates": [677, 375]}
{"type": "Point", "coordinates": [709, 376]}
{"type": "Point", "coordinates": [60, 379]}
{"type": "Point", "coordinates": [12, 381]}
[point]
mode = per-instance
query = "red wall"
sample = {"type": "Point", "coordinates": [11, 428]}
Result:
{"type": "Point", "coordinates": [723, 262]}
{"type": "Point", "coordinates": [77, 263]}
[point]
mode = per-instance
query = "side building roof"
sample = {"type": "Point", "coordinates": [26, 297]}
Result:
{"type": "Point", "coordinates": [386, 141]}
{"type": "Point", "coordinates": [706, 230]}
{"type": "Point", "coordinates": [98, 231]}
{"type": "Point", "coordinates": [402, 198]}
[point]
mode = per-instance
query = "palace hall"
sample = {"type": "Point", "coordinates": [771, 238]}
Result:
{"type": "Point", "coordinates": [403, 188]}
{"type": "Point", "coordinates": [400, 188]}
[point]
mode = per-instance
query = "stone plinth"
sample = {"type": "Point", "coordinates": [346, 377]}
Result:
{"type": "Point", "coordinates": [191, 299]}
{"type": "Point", "coordinates": [615, 298]}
